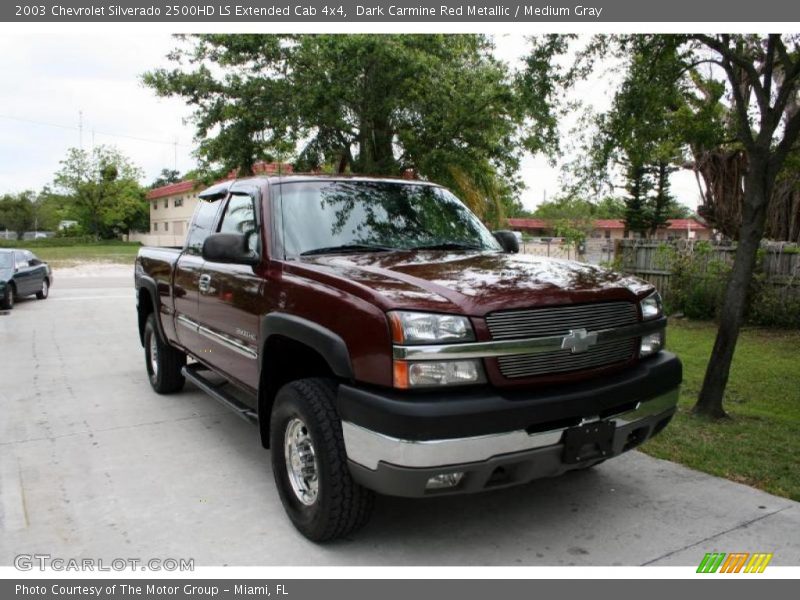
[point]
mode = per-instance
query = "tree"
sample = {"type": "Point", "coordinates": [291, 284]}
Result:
{"type": "Point", "coordinates": [166, 177]}
{"type": "Point", "coordinates": [51, 208]}
{"type": "Point", "coordinates": [741, 115]}
{"type": "Point", "coordinates": [641, 133]}
{"type": "Point", "coordinates": [765, 70]}
{"type": "Point", "coordinates": [17, 212]}
{"type": "Point", "coordinates": [104, 191]}
{"type": "Point", "coordinates": [373, 104]}
{"type": "Point", "coordinates": [575, 208]}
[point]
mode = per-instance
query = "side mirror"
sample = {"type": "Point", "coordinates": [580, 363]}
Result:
{"type": "Point", "coordinates": [508, 241]}
{"type": "Point", "coordinates": [229, 248]}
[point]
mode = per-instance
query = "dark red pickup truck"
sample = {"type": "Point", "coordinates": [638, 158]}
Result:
{"type": "Point", "coordinates": [384, 340]}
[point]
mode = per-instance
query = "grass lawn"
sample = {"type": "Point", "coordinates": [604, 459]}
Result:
{"type": "Point", "coordinates": [69, 256]}
{"type": "Point", "coordinates": [760, 444]}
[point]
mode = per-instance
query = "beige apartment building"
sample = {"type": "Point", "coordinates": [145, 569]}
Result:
{"type": "Point", "coordinates": [171, 209]}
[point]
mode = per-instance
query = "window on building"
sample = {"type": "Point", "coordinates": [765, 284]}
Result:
{"type": "Point", "coordinates": [166, 202]}
{"type": "Point", "coordinates": [155, 226]}
{"type": "Point", "coordinates": [608, 233]}
{"type": "Point", "coordinates": [178, 202]}
{"type": "Point", "coordinates": [166, 226]}
{"type": "Point", "coordinates": [155, 205]}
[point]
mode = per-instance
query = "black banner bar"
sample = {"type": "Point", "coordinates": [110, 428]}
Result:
{"type": "Point", "coordinates": [399, 11]}
{"type": "Point", "coordinates": [398, 589]}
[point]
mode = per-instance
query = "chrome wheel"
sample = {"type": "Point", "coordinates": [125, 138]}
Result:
{"type": "Point", "coordinates": [153, 354]}
{"type": "Point", "coordinates": [45, 289]}
{"type": "Point", "coordinates": [301, 461]}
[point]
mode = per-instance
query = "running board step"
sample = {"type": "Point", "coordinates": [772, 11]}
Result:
{"type": "Point", "coordinates": [191, 372]}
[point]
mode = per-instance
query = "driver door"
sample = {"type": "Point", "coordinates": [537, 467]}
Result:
{"type": "Point", "coordinates": [24, 275]}
{"type": "Point", "coordinates": [230, 297]}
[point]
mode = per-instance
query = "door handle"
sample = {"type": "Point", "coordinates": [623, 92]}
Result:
{"type": "Point", "coordinates": [204, 284]}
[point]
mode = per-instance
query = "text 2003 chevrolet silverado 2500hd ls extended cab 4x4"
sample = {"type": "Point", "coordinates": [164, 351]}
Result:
{"type": "Point", "coordinates": [384, 340]}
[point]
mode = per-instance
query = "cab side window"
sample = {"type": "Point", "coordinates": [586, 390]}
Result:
{"type": "Point", "coordinates": [201, 225]}
{"type": "Point", "coordinates": [20, 261]}
{"type": "Point", "coordinates": [240, 217]}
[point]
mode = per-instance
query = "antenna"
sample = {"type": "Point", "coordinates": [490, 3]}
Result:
{"type": "Point", "coordinates": [175, 151]}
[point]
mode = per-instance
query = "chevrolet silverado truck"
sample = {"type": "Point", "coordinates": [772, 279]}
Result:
{"type": "Point", "coordinates": [383, 340]}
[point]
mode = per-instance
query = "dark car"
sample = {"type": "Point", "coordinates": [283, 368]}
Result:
{"type": "Point", "coordinates": [22, 274]}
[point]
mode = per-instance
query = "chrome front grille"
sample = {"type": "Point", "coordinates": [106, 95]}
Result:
{"type": "Point", "coordinates": [559, 320]}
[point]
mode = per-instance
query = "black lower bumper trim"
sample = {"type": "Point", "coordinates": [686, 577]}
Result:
{"type": "Point", "coordinates": [467, 412]}
{"type": "Point", "coordinates": [501, 471]}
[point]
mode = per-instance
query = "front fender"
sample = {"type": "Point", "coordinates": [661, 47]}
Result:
{"type": "Point", "coordinates": [328, 344]}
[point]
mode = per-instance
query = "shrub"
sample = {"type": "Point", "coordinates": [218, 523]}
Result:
{"type": "Point", "coordinates": [697, 284]}
{"type": "Point", "coordinates": [699, 277]}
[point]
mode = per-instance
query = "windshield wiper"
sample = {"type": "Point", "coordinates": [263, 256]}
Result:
{"type": "Point", "coordinates": [348, 248]}
{"type": "Point", "coordinates": [449, 246]}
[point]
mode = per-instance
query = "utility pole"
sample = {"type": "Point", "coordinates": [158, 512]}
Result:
{"type": "Point", "coordinates": [175, 151]}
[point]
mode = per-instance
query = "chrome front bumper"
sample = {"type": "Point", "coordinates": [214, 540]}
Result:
{"type": "Point", "coordinates": [368, 449]}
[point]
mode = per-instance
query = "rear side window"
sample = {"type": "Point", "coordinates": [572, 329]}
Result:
{"type": "Point", "coordinates": [201, 225]}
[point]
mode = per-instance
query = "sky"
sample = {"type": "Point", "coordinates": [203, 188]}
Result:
{"type": "Point", "coordinates": [70, 90]}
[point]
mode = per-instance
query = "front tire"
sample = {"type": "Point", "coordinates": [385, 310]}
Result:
{"type": "Point", "coordinates": [45, 291]}
{"type": "Point", "coordinates": [309, 462]}
{"type": "Point", "coordinates": [163, 362]}
{"type": "Point", "coordinates": [8, 302]}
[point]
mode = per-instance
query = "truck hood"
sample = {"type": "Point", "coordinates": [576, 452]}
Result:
{"type": "Point", "coordinates": [474, 283]}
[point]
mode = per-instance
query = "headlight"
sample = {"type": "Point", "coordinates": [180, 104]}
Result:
{"type": "Point", "coordinates": [651, 307]}
{"type": "Point", "coordinates": [434, 373]}
{"type": "Point", "coordinates": [425, 328]}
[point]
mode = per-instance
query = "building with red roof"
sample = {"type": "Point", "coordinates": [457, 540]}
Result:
{"type": "Point", "coordinates": [615, 229]}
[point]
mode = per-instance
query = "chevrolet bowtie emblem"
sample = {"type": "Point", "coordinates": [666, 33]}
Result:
{"type": "Point", "coordinates": [578, 340]}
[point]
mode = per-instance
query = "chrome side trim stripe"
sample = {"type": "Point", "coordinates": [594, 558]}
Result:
{"type": "Point", "coordinates": [535, 345]}
{"type": "Point", "coordinates": [221, 338]}
{"type": "Point", "coordinates": [368, 448]}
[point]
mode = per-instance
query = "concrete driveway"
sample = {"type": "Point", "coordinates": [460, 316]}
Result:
{"type": "Point", "coordinates": [94, 464]}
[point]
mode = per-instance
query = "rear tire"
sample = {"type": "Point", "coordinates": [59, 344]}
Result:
{"type": "Point", "coordinates": [45, 291]}
{"type": "Point", "coordinates": [309, 463]}
{"type": "Point", "coordinates": [8, 302]}
{"type": "Point", "coordinates": [163, 362]}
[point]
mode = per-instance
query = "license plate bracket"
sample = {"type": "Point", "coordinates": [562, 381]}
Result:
{"type": "Point", "coordinates": [588, 441]}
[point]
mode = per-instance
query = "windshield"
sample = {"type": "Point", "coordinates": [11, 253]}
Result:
{"type": "Point", "coordinates": [6, 260]}
{"type": "Point", "coordinates": [330, 216]}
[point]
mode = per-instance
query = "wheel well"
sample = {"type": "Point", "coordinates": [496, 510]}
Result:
{"type": "Point", "coordinates": [285, 360]}
{"type": "Point", "coordinates": [143, 308]}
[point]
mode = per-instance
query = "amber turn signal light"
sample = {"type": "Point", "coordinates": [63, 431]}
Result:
{"type": "Point", "coordinates": [400, 370]}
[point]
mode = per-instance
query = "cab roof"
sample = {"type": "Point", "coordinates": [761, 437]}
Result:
{"type": "Point", "coordinates": [220, 189]}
